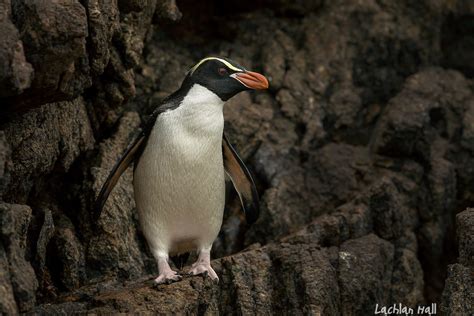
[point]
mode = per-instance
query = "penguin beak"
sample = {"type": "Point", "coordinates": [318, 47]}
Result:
{"type": "Point", "coordinates": [252, 80]}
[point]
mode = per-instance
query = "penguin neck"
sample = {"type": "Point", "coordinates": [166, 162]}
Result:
{"type": "Point", "coordinates": [201, 109]}
{"type": "Point", "coordinates": [201, 96]}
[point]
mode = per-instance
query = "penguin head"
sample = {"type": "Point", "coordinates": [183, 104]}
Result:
{"type": "Point", "coordinates": [225, 77]}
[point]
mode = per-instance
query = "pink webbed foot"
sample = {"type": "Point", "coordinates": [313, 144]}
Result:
{"type": "Point", "coordinates": [205, 269]}
{"type": "Point", "coordinates": [203, 266]}
{"type": "Point", "coordinates": [168, 276]}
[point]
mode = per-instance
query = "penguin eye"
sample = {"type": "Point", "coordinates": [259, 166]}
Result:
{"type": "Point", "coordinates": [222, 71]}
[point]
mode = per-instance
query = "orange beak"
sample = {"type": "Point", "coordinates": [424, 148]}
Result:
{"type": "Point", "coordinates": [252, 80]}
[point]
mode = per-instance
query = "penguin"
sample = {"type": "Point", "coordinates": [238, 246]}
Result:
{"type": "Point", "coordinates": [182, 159]}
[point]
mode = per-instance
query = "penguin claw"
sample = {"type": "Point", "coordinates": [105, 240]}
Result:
{"type": "Point", "coordinates": [204, 269]}
{"type": "Point", "coordinates": [168, 277]}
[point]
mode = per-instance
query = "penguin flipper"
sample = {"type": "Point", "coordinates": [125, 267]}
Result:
{"type": "Point", "coordinates": [127, 158]}
{"type": "Point", "coordinates": [242, 181]}
{"type": "Point", "coordinates": [132, 154]}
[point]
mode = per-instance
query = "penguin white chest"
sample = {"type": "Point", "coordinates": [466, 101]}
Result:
{"type": "Point", "coordinates": [179, 181]}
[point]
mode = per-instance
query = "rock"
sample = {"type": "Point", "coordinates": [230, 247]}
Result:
{"type": "Point", "coordinates": [387, 210]}
{"type": "Point", "coordinates": [14, 221]}
{"type": "Point", "coordinates": [8, 304]}
{"type": "Point", "coordinates": [46, 139]}
{"type": "Point", "coordinates": [16, 73]}
{"type": "Point", "coordinates": [5, 163]}
{"type": "Point", "coordinates": [167, 10]}
{"type": "Point", "coordinates": [54, 36]}
{"type": "Point", "coordinates": [407, 278]}
{"type": "Point", "coordinates": [42, 243]}
{"type": "Point", "coordinates": [115, 248]}
{"type": "Point", "coordinates": [420, 112]}
{"type": "Point", "coordinates": [458, 293]}
{"type": "Point", "coordinates": [365, 273]}
{"type": "Point", "coordinates": [362, 151]}
{"type": "Point", "coordinates": [465, 232]}
{"type": "Point", "coordinates": [103, 19]}
{"type": "Point", "coordinates": [70, 264]}
{"type": "Point", "coordinates": [47, 231]}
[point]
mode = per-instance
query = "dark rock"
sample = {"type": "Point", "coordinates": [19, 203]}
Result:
{"type": "Point", "coordinates": [362, 151]}
{"type": "Point", "coordinates": [131, 6]}
{"type": "Point", "coordinates": [390, 218]}
{"type": "Point", "coordinates": [457, 40]}
{"type": "Point", "coordinates": [70, 264]}
{"type": "Point", "coordinates": [61, 309]}
{"type": "Point", "coordinates": [407, 279]}
{"type": "Point", "coordinates": [167, 10]}
{"type": "Point", "coordinates": [8, 304]}
{"type": "Point", "coordinates": [431, 103]}
{"type": "Point", "coordinates": [116, 247]}
{"type": "Point", "coordinates": [16, 73]}
{"type": "Point", "coordinates": [247, 122]}
{"type": "Point", "coordinates": [47, 231]}
{"type": "Point", "coordinates": [365, 273]}
{"type": "Point", "coordinates": [465, 231]}
{"type": "Point", "coordinates": [54, 39]}
{"type": "Point", "coordinates": [103, 19]}
{"type": "Point", "coordinates": [5, 163]}
{"type": "Point", "coordinates": [14, 221]}
{"type": "Point", "coordinates": [46, 139]}
{"type": "Point", "coordinates": [41, 257]}
{"type": "Point", "coordinates": [458, 294]}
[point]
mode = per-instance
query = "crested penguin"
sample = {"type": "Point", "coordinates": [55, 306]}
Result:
{"type": "Point", "coordinates": [182, 157]}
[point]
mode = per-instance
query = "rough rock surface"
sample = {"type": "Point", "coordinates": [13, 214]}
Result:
{"type": "Point", "coordinates": [18, 275]}
{"type": "Point", "coordinates": [363, 152]}
{"type": "Point", "coordinates": [458, 294]}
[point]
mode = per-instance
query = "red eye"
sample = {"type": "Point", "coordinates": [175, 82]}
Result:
{"type": "Point", "coordinates": [222, 71]}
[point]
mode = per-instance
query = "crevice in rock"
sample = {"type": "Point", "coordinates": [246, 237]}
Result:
{"type": "Point", "coordinates": [457, 43]}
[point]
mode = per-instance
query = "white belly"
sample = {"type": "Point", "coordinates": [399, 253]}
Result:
{"type": "Point", "coordinates": [179, 181]}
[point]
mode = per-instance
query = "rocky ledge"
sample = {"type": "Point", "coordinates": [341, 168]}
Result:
{"type": "Point", "coordinates": [363, 152]}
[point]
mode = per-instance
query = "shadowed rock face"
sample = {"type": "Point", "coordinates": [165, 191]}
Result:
{"type": "Point", "coordinates": [362, 150]}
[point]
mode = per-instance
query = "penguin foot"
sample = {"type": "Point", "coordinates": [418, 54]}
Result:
{"type": "Point", "coordinates": [205, 269]}
{"type": "Point", "coordinates": [168, 277]}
